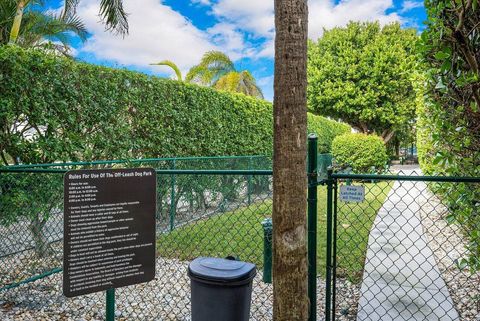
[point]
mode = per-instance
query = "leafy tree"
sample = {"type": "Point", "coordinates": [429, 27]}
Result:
{"type": "Point", "coordinates": [217, 70]}
{"type": "Point", "coordinates": [290, 301]}
{"type": "Point", "coordinates": [362, 74]}
{"type": "Point", "coordinates": [449, 135]}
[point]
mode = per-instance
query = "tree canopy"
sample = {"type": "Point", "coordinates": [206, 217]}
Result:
{"type": "Point", "coordinates": [362, 74]}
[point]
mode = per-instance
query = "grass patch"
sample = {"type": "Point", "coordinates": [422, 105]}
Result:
{"type": "Point", "coordinates": [239, 233]}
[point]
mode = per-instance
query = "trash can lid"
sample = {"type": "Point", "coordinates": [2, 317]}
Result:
{"type": "Point", "coordinates": [221, 270]}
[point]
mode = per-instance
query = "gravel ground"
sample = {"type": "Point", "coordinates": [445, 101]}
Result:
{"type": "Point", "coordinates": [165, 298]}
{"type": "Point", "coordinates": [448, 245]}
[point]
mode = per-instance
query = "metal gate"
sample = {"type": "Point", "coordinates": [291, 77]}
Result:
{"type": "Point", "coordinates": [402, 246]}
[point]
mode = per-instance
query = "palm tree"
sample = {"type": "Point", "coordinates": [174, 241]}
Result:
{"type": "Point", "coordinates": [111, 11]}
{"type": "Point", "coordinates": [212, 67]}
{"type": "Point", "coordinates": [240, 82]}
{"type": "Point", "coordinates": [217, 70]}
{"type": "Point", "coordinates": [290, 301]}
{"type": "Point", "coordinates": [38, 27]}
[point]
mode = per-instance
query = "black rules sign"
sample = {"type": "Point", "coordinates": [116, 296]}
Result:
{"type": "Point", "coordinates": [109, 229]}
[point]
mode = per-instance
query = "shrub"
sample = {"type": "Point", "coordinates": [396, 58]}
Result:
{"type": "Point", "coordinates": [71, 111]}
{"type": "Point", "coordinates": [449, 121]}
{"type": "Point", "coordinates": [361, 152]}
{"type": "Point", "coordinates": [326, 131]}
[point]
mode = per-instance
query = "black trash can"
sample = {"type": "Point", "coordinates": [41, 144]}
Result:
{"type": "Point", "coordinates": [221, 289]}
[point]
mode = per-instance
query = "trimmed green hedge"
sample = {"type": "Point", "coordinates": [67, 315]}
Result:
{"type": "Point", "coordinates": [326, 130]}
{"type": "Point", "coordinates": [57, 109]}
{"type": "Point", "coordinates": [361, 152]}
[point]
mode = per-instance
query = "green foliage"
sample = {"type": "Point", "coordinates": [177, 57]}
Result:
{"type": "Point", "coordinates": [55, 109]}
{"type": "Point", "coordinates": [449, 119]}
{"type": "Point", "coordinates": [326, 130]}
{"type": "Point", "coordinates": [212, 67]}
{"type": "Point", "coordinates": [362, 74]}
{"type": "Point", "coordinates": [363, 153]}
{"type": "Point", "coordinates": [239, 82]}
{"type": "Point", "coordinates": [218, 71]}
{"type": "Point", "coordinates": [172, 65]}
{"type": "Point", "coordinates": [39, 24]}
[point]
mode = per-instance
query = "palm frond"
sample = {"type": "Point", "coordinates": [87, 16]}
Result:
{"type": "Point", "coordinates": [240, 82]}
{"type": "Point", "coordinates": [7, 14]}
{"type": "Point", "coordinates": [69, 8]}
{"type": "Point", "coordinates": [38, 26]}
{"type": "Point", "coordinates": [217, 60]}
{"type": "Point", "coordinates": [114, 16]}
{"type": "Point", "coordinates": [171, 65]}
{"type": "Point", "coordinates": [200, 75]}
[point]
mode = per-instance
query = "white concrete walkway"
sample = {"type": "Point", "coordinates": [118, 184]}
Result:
{"type": "Point", "coordinates": [401, 280]}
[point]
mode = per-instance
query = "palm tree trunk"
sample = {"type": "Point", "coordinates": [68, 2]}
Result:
{"type": "Point", "coordinates": [17, 21]}
{"type": "Point", "coordinates": [289, 172]}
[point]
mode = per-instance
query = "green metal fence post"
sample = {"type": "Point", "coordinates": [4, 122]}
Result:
{"type": "Point", "coordinates": [328, 288]}
{"type": "Point", "coordinates": [334, 248]}
{"type": "Point", "coordinates": [249, 182]}
{"type": "Point", "coordinates": [110, 305]}
{"type": "Point", "coordinates": [312, 225]}
{"type": "Point", "coordinates": [172, 199]}
{"type": "Point", "coordinates": [267, 250]}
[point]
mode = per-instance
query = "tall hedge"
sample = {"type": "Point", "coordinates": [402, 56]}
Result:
{"type": "Point", "coordinates": [448, 134]}
{"type": "Point", "coordinates": [53, 108]}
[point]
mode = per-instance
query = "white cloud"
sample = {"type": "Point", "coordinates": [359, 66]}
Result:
{"type": "Point", "coordinates": [230, 40]}
{"type": "Point", "coordinates": [409, 5]}
{"type": "Point", "coordinates": [202, 2]}
{"type": "Point", "coordinates": [326, 14]}
{"type": "Point", "coordinates": [244, 28]}
{"type": "Point", "coordinates": [257, 16]}
{"type": "Point", "coordinates": [156, 32]}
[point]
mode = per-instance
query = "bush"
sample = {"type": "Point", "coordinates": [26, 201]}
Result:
{"type": "Point", "coordinates": [449, 119]}
{"type": "Point", "coordinates": [360, 152]}
{"type": "Point", "coordinates": [71, 111]}
{"type": "Point", "coordinates": [326, 131]}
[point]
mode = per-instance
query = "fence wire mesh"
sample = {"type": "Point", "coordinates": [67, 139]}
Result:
{"type": "Point", "coordinates": [409, 251]}
{"type": "Point", "coordinates": [197, 215]}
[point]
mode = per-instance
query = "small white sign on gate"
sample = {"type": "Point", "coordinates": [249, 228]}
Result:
{"type": "Point", "coordinates": [350, 193]}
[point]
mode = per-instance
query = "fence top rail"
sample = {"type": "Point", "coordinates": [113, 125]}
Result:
{"type": "Point", "coordinates": [253, 172]}
{"type": "Point", "coordinates": [142, 160]}
{"type": "Point", "coordinates": [379, 177]}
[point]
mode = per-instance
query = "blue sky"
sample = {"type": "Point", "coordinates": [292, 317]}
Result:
{"type": "Point", "coordinates": [182, 30]}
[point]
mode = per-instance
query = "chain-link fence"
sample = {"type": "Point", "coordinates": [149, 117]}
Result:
{"type": "Point", "coordinates": [403, 247]}
{"type": "Point", "coordinates": [205, 207]}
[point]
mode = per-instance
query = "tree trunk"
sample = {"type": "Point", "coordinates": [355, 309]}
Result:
{"type": "Point", "coordinates": [290, 301]}
{"type": "Point", "coordinates": [17, 21]}
{"type": "Point", "coordinates": [387, 134]}
{"type": "Point", "coordinates": [42, 245]}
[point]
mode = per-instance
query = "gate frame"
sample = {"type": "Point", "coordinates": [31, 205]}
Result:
{"type": "Point", "coordinates": [332, 189]}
